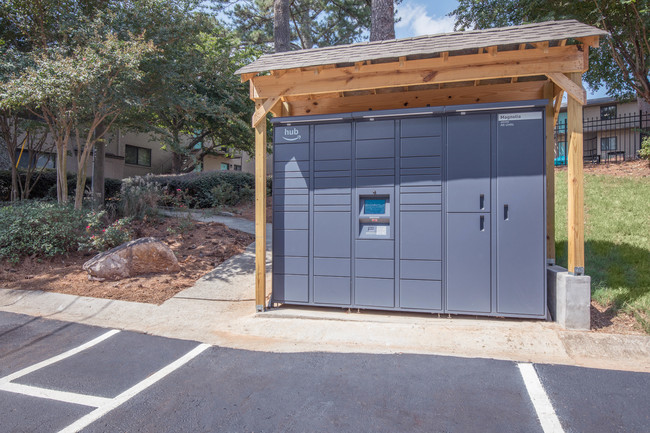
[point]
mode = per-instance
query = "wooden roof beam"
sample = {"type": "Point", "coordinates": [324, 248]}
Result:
{"type": "Point", "coordinates": [591, 41]}
{"type": "Point", "coordinates": [246, 77]}
{"type": "Point", "coordinates": [425, 71]}
{"type": "Point", "coordinates": [420, 98]}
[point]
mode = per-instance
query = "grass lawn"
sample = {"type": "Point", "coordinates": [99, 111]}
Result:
{"type": "Point", "coordinates": [617, 240]}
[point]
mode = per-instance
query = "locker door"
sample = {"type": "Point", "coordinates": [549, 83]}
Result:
{"type": "Point", "coordinates": [520, 215]}
{"type": "Point", "coordinates": [468, 262]}
{"type": "Point", "coordinates": [468, 163]}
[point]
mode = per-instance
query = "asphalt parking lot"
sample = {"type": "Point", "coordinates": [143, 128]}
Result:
{"type": "Point", "coordinates": [58, 376]}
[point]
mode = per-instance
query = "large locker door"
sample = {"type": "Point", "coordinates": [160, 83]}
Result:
{"type": "Point", "coordinates": [520, 214]}
{"type": "Point", "coordinates": [468, 163]}
{"type": "Point", "coordinates": [468, 262]}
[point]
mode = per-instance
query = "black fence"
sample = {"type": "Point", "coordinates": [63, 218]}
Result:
{"type": "Point", "coordinates": [606, 139]}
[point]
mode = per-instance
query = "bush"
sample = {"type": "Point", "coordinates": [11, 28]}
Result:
{"type": "Point", "coordinates": [46, 185]}
{"type": "Point", "coordinates": [41, 229]}
{"type": "Point", "coordinates": [644, 152]}
{"type": "Point", "coordinates": [98, 239]}
{"type": "Point", "coordinates": [139, 197]}
{"type": "Point", "coordinates": [204, 189]}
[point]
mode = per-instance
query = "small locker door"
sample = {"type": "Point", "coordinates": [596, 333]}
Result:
{"type": "Point", "coordinates": [468, 163]}
{"type": "Point", "coordinates": [520, 214]}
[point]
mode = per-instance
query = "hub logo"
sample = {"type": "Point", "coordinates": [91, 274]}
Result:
{"type": "Point", "coordinates": [291, 134]}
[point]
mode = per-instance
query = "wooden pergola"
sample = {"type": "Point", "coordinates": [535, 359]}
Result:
{"type": "Point", "coordinates": [534, 61]}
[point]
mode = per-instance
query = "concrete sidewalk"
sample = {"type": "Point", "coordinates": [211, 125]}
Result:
{"type": "Point", "coordinates": [220, 310]}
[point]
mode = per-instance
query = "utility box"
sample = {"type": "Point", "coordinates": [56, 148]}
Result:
{"type": "Point", "coordinates": [437, 209]}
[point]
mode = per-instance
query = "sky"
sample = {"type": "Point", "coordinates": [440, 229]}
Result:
{"type": "Point", "coordinates": [426, 17]}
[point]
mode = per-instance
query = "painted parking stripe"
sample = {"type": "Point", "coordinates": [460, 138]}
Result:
{"type": "Point", "coordinates": [52, 394]}
{"type": "Point", "coordinates": [113, 403]}
{"type": "Point", "coordinates": [545, 412]}
{"type": "Point", "coordinates": [58, 358]}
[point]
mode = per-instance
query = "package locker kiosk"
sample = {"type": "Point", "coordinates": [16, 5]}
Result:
{"type": "Point", "coordinates": [438, 209]}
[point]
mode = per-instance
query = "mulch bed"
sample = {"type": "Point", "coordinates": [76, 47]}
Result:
{"type": "Point", "coordinates": [636, 168]}
{"type": "Point", "coordinates": [199, 247]}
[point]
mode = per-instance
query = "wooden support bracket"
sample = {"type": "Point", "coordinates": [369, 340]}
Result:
{"type": "Point", "coordinates": [262, 110]}
{"type": "Point", "coordinates": [574, 90]}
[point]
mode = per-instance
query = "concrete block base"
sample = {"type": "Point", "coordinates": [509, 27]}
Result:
{"type": "Point", "coordinates": [569, 298]}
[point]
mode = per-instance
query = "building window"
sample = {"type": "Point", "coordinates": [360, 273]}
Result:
{"type": "Point", "coordinates": [608, 112]}
{"type": "Point", "coordinates": [608, 144]}
{"type": "Point", "coordinates": [137, 156]}
{"type": "Point", "coordinates": [236, 167]}
{"type": "Point", "coordinates": [224, 166]}
{"type": "Point", "coordinates": [42, 159]}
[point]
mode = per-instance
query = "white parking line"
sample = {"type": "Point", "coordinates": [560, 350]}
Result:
{"type": "Point", "coordinates": [57, 358]}
{"type": "Point", "coordinates": [113, 403]}
{"type": "Point", "coordinates": [52, 394]}
{"type": "Point", "coordinates": [547, 417]}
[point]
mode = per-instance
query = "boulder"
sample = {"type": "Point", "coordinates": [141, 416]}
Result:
{"type": "Point", "coordinates": [141, 256]}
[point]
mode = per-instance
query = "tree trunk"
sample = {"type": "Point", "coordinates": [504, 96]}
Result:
{"type": "Point", "coordinates": [61, 173]}
{"type": "Point", "coordinates": [382, 20]}
{"type": "Point", "coordinates": [15, 188]}
{"type": "Point", "coordinates": [81, 186]}
{"type": "Point", "coordinates": [98, 168]}
{"type": "Point", "coordinates": [177, 163]}
{"type": "Point", "coordinates": [281, 28]}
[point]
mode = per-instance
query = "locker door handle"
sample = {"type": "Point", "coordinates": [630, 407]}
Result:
{"type": "Point", "coordinates": [505, 212]}
{"type": "Point", "coordinates": [481, 201]}
{"type": "Point", "coordinates": [482, 223]}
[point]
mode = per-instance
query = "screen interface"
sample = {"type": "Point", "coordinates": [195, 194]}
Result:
{"type": "Point", "coordinates": [374, 206]}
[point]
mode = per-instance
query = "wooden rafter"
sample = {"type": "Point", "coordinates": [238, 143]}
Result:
{"type": "Point", "coordinates": [425, 71]}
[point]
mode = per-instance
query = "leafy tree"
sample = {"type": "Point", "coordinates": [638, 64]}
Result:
{"type": "Point", "coordinates": [74, 86]}
{"type": "Point", "coordinates": [622, 63]}
{"type": "Point", "coordinates": [194, 102]}
{"type": "Point", "coordinates": [314, 23]}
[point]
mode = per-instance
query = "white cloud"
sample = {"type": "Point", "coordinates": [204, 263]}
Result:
{"type": "Point", "coordinates": [416, 21]}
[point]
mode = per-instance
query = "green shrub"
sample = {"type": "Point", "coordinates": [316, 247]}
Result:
{"type": "Point", "coordinates": [139, 197]}
{"type": "Point", "coordinates": [269, 186]}
{"type": "Point", "coordinates": [205, 189]}
{"type": "Point", "coordinates": [46, 185]}
{"type": "Point", "coordinates": [644, 152]}
{"type": "Point", "coordinates": [41, 229]}
{"type": "Point", "coordinates": [100, 239]}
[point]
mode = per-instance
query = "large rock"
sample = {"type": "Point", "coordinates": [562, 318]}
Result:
{"type": "Point", "coordinates": [141, 256]}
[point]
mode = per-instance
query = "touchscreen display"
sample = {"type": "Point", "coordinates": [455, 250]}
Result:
{"type": "Point", "coordinates": [374, 206]}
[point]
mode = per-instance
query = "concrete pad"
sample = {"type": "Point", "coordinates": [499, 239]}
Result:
{"type": "Point", "coordinates": [569, 298]}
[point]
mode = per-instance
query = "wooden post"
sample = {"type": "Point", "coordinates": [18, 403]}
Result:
{"type": "Point", "coordinates": [575, 204]}
{"type": "Point", "coordinates": [549, 93]}
{"type": "Point", "coordinates": [260, 215]}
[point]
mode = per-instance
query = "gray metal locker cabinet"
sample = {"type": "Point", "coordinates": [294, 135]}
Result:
{"type": "Point", "coordinates": [468, 177]}
{"type": "Point", "coordinates": [291, 180]}
{"type": "Point", "coordinates": [420, 216]}
{"type": "Point", "coordinates": [520, 214]}
{"type": "Point", "coordinates": [374, 282]}
{"type": "Point", "coordinates": [332, 207]}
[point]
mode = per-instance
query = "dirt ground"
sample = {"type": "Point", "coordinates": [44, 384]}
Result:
{"type": "Point", "coordinates": [199, 247]}
{"type": "Point", "coordinates": [247, 210]}
{"type": "Point", "coordinates": [604, 319]}
{"type": "Point", "coordinates": [636, 168]}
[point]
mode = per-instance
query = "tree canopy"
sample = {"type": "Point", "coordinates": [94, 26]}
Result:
{"type": "Point", "coordinates": [621, 64]}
